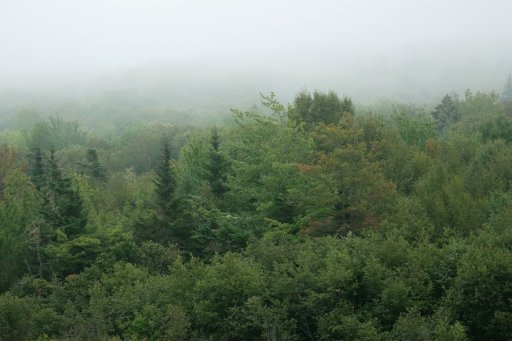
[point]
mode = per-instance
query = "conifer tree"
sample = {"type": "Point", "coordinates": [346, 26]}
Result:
{"type": "Point", "coordinates": [165, 184]}
{"type": "Point", "coordinates": [167, 222]}
{"type": "Point", "coordinates": [62, 205]}
{"type": "Point", "coordinates": [507, 91]}
{"type": "Point", "coordinates": [36, 171]}
{"type": "Point", "coordinates": [7, 163]}
{"type": "Point", "coordinates": [445, 113]}
{"type": "Point", "coordinates": [93, 166]}
{"type": "Point", "coordinates": [216, 166]}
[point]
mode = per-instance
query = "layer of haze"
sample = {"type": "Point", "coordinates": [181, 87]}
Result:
{"type": "Point", "coordinates": [411, 50]}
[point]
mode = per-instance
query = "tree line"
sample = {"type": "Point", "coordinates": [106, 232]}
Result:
{"type": "Point", "coordinates": [314, 220]}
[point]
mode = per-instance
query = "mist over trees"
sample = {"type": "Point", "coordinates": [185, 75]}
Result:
{"type": "Point", "coordinates": [255, 170]}
{"type": "Point", "coordinates": [315, 219]}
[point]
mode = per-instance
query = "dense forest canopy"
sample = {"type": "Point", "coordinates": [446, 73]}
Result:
{"type": "Point", "coordinates": [319, 219]}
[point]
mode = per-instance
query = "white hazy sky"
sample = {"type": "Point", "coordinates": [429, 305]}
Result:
{"type": "Point", "coordinates": [53, 40]}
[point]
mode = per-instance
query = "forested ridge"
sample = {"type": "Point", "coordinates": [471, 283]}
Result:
{"type": "Point", "coordinates": [315, 220]}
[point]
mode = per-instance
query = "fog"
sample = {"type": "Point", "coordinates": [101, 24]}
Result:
{"type": "Point", "coordinates": [403, 49]}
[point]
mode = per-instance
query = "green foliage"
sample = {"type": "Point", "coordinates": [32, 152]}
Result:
{"type": "Point", "coordinates": [413, 326]}
{"type": "Point", "coordinates": [139, 147]}
{"type": "Point", "coordinates": [263, 176]}
{"type": "Point", "coordinates": [93, 167]}
{"type": "Point", "coordinates": [318, 107]}
{"type": "Point", "coordinates": [227, 284]}
{"type": "Point", "coordinates": [445, 113]}
{"type": "Point", "coordinates": [482, 290]}
{"type": "Point", "coordinates": [301, 222]}
{"type": "Point", "coordinates": [15, 138]}
{"type": "Point", "coordinates": [478, 113]}
{"type": "Point", "coordinates": [447, 202]}
{"type": "Point", "coordinates": [72, 256]}
{"type": "Point", "coordinates": [415, 130]}
{"type": "Point", "coordinates": [165, 184]}
{"type": "Point", "coordinates": [157, 257]}
{"type": "Point", "coordinates": [216, 166]}
{"type": "Point", "coordinates": [18, 211]}
{"type": "Point", "coordinates": [166, 222]}
{"type": "Point", "coordinates": [16, 318]}
{"type": "Point", "coordinates": [364, 196]}
{"type": "Point", "coordinates": [489, 170]}
{"type": "Point", "coordinates": [482, 104]}
{"type": "Point", "coordinates": [26, 117]}
{"type": "Point", "coordinates": [36, 171]}
{"type": "Point", "coordinates": [7, 162]}
{"type": "Point", "coordinates": [56, 133]}
{"type": "Point", "coordinates": [507, 90]}
{"type": "Point", "coordinates": [168, 323]}
{"type": "Point", "coordinates": [343, 324]}
{"type": "Point", "coordinates": [497, 127]}
{"type": "Point", "coordinates": [62, 205]}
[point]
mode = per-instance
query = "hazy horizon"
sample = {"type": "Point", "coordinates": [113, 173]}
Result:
{"type": "Point", "coordinates": [366, 49]}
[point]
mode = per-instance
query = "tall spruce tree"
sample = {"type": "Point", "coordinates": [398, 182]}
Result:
{"type": "Point", "coordinates": [165, 185]}
{"type": "Point", "coordinates": [507, 91]}
{"type": "Point", "coordinates": [62, 205]}
{"type": "Point", "coordinates": [93, 167]}
{"type": "Point", "coordinates": [167, 223]}
{"type": "Point", "coordinates": [216, 166]}
{"type": "Point", "coordinates": [7, 163]}
{"type": "Point", "coordinates": [445, 113]}
{"type": "Point", "coordinates": [36, 171]}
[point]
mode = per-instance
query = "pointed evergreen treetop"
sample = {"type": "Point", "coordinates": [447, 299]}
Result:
{"type": "Point", "coordinates": [165, 181]}
{"type": "Point", "coordinates": [167, 223]}
{"type": "Point", "coordinates": [507, 91]}
{"type": "Point", "coordinates": [216, 166]}
{"type": "Point", "coordinates": [93, 166]}
{"type": "Point", "coordinates": [445, 113]}
{"type": "Point", "coordinates": [62, 205]}
{"type": "Point", "coordinates": [36, 171]}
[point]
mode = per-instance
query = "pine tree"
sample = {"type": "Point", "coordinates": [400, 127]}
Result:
{"type": "Point", "coordinates": [36, 171]}
{"type": "Point", "coordinates": [216, 166]}
{"type": "Point", "coordinates": [165, 184]}
{"type": "Point", "coordinates": [7, 163]}
{"type": "Point", "coordinates": [445, 113]}
{"type": "Point", "coordinates": [62, 205]}
{"type": "Point", "coordinates": [507, 91]}
{"type": "Point", "coordinates": [93, 166]}
{"type": "Point", "coordinates": [167, 222]}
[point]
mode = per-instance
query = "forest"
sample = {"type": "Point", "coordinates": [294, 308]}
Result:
{"type": "Point", "coordinates": [321, 219]}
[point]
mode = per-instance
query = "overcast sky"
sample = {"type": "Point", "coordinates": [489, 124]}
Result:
{"type": "Point", "coordinates": [391, 43]}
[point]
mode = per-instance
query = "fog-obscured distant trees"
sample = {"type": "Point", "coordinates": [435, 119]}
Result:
{"type": "Point", "coordinates": [507, 91]}
{"type": "Point", "coordinates": [55, 132]}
